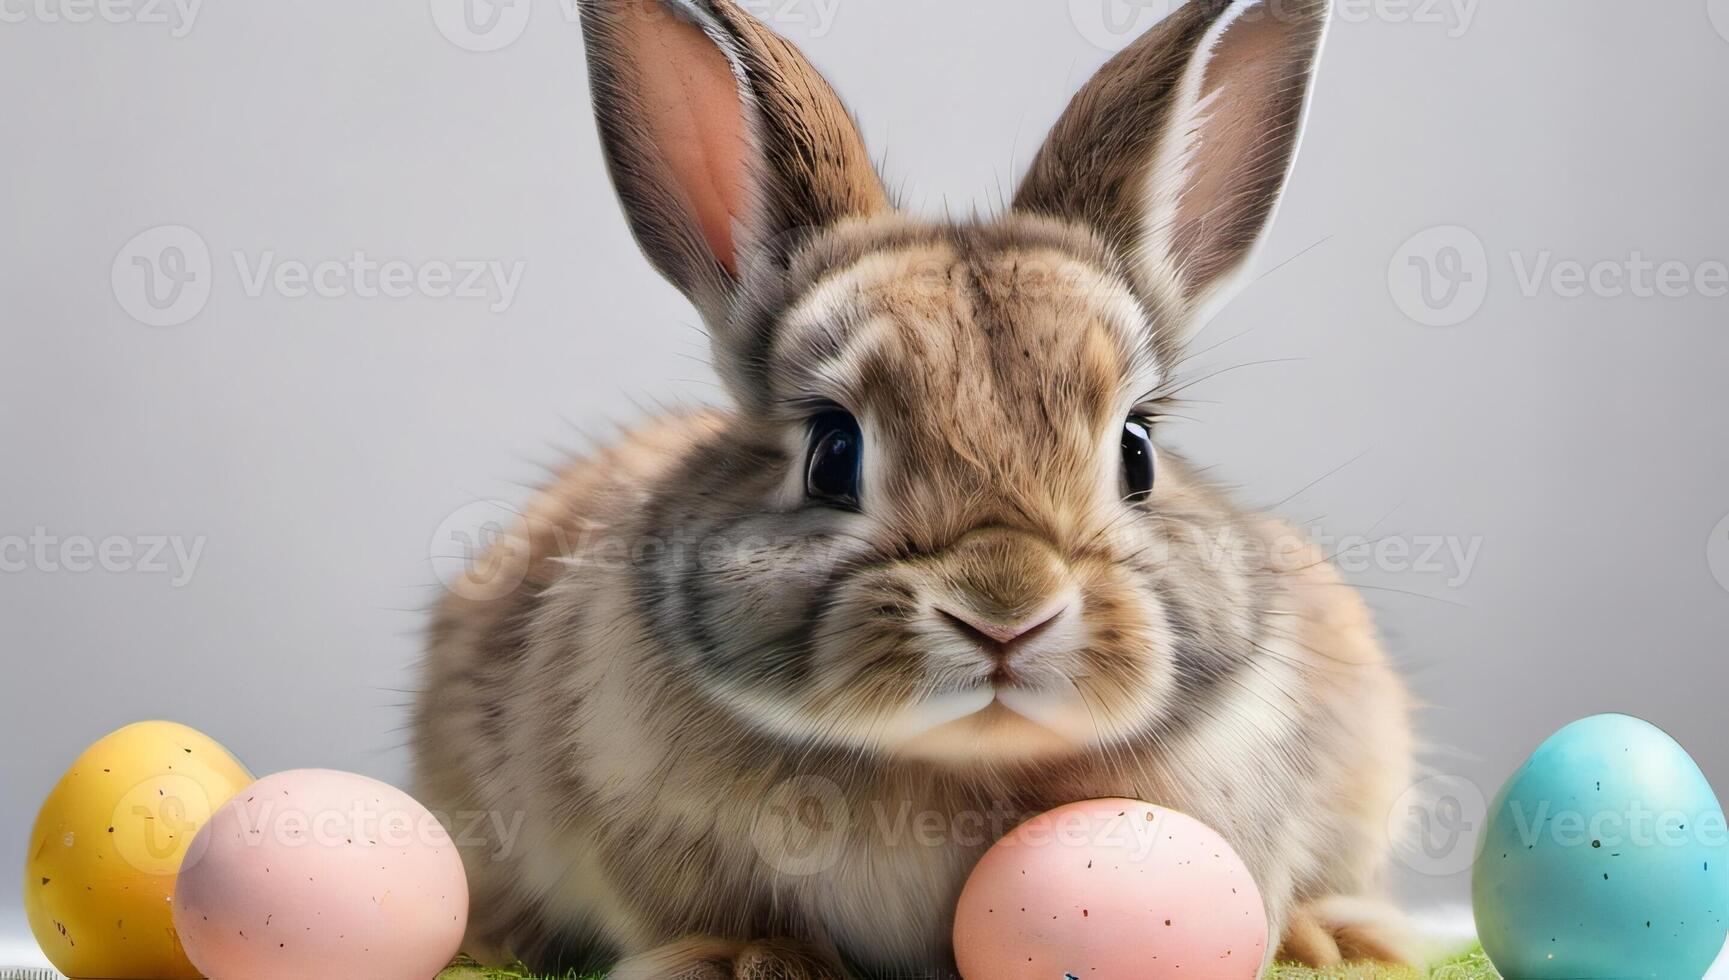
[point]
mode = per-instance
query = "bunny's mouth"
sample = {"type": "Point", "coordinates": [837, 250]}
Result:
{"type": "Point", "coordinates": [998, 716]}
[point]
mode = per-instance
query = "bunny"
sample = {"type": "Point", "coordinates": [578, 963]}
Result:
{"type": "Point", "coordinates": [931, 561]}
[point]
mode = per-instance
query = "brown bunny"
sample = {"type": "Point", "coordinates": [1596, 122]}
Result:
{"type": "Point", "coordinates": [930, 562]}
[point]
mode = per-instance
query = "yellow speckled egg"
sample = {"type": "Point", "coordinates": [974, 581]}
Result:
{"type": "Point", "coordinates": [99, 877]}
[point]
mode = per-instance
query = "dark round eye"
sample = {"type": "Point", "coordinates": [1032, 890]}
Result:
{"type": "Point", "coordinates": [1139, 461]}
{"type": "Point", "coordinates": [836, 459]}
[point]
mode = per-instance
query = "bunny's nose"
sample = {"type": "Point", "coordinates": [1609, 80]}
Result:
{"type": "Point", "coordinates": [1000, 636]}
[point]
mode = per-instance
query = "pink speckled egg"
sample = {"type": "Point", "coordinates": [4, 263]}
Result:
{"type": "Point", "coordinates": [321, 874]}
{"type": "Point", "coordinates": [1111, 889]}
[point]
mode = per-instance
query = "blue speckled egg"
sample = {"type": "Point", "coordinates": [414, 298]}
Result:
{"type": "Point", "coordinates": [1606, 856]}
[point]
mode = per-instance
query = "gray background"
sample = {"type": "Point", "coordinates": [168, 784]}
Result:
{"type": "Point", "coordinates": [318, 445]}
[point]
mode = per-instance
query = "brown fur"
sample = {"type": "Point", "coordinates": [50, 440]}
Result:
{"type": "Point", "coordinates": [719, 710]}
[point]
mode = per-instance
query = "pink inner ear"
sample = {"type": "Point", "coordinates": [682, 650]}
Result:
{"type": "Point", "coordinates": [1244, 147]}
{"type": "Point", "coordinates": [690, 99]}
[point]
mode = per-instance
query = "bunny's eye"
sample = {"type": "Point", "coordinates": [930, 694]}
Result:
{"type": "Point", "coordinates": [1139, 460]}
{"type": "Point", "coordinates": [836, 459]}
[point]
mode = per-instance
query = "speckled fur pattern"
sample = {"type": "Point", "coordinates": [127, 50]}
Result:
{"type": "Point", "coordinates": [713, 714]}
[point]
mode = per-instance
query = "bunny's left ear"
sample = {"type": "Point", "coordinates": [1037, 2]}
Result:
{"type": "Point", "coordinates": [1179, 149]}
{"type": "Point", "coordinates": [725, 145]}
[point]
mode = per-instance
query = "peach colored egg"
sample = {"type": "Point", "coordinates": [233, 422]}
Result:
{"type": "Point", "coordinates": [1111, 889]}
{"type": "Point", "coordinates": [321, 874]}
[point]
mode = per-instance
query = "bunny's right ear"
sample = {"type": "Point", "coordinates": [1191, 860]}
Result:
{"type": "Point", "coordinates": [1179, 149]}
{"type": "Point", "coordinates": [724, 143]}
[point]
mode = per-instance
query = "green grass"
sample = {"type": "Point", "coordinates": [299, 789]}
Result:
{"type": "Point", "coordinates": [1468, 966]}
{"type": "Point", "coordinates": [1473, 965]}
{"type": "Point", "coordinates": [465, 969]}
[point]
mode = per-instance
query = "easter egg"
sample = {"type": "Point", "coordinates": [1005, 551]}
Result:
{"type": "Point", "coordinates": [1110, 888]}
{"type": "Point", "coordinates": [108, 843]}
{"type": "Point", "coordinates": [1606, 855]}
{"type": "Point", "coordinates": [322, 874]}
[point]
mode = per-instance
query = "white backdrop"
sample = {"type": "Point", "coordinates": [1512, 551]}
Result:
{"type": "Point", "coordinates": [1521, 455]}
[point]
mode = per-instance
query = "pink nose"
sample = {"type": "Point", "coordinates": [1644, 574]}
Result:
{"type": "Point", "coordinates": [997, 635]}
